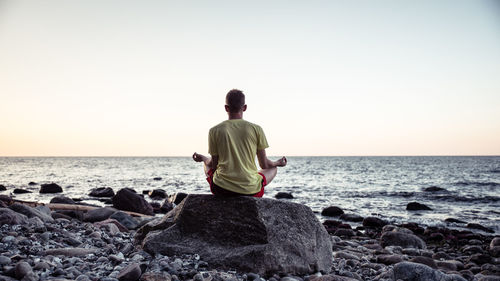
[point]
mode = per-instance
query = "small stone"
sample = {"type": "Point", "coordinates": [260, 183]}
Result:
{"type": "Point", "coordinates": [22, 269]}
{"type": "Point", "coordinates": [5, 260]}
{"type": "Point", "coordinates": [389, 259]}
{"type": "Point", "coordinates": [425, 260]}
{"type": "Point", "coordinates": [158, 194]}
{"type": "Point", "coordinates": [130, 273]}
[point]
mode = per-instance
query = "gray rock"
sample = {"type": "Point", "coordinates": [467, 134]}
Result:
{"type": "Point", "coordinates": [495, 242]}
{"type": "Point", "coordinates": [70, 252]}
{"type": "Point", "coordinates": [62, 200]}
{"type": "Point", "coordinates": [332, 211]}
{"type": "Point", "coordinates": [31, 212]}
{"type": "Point", "coordinates": [373, 222]}
{"type": "Point", "coordinates": [5, 260]}
{"type": "Point", "coordinates": [156, 276]}
{"type": "Point", "coordinates": [404, 240]}
{"type": "Point", "coordinates": [127, 200]}
{"type": "Point", "coordinates": [425, 260]}
{"type": "Point", "coordinates": [408, 271]}
{"type": "Point", "coordinates": [102, 192]}
{"type": "Point", "coordinates": [22, 269]}
{"type": "Point", "coordinates": [50, 188]}
{"type": "Point", "coordinates": [415, 206]}
{"type": "Point", "coordinates": [125, 219]}
{"type": "Point", "coordinates": [283, 195]}
{"type": "Point", "coordinates": [351, 217]}
{"type": "Point", "coordinates": [332, 278]}
{"type": "Point", "coordinates": [259, 235]}
{"type": "Point", "coordinates": [99, 214]}
{"type": "Point", "coordinates": [7, 216]}
{"type": "Point", "coordinates": [389, 259]}
{"type": "Point", "coordinates": [130, 273]}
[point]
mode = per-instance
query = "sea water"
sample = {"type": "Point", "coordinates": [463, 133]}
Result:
{"type": "Point", "coordinates": [379, 186]}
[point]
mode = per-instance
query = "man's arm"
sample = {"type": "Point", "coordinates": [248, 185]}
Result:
{"type": "Point", "coordinates": [265, 163]}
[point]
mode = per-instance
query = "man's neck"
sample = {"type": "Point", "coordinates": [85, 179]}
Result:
{"type": "Point", "coordinates": [237, 115]}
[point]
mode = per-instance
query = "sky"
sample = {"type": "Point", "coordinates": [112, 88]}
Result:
{"type": "Point", "coordinates": [149, 78]}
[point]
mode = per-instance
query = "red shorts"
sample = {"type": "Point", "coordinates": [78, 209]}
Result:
{"type": "Point", "coordinates": [219, 191]}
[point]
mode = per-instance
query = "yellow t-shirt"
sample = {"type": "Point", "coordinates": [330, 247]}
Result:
{"type": "Point", "coordinates": [236, 142]}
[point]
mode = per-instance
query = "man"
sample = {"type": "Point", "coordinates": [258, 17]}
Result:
{"type": "Point", "coordinates": [233, 145]}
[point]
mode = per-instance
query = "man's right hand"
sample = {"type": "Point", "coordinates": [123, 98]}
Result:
{"type": "Point", "coordinates": [281, 162]}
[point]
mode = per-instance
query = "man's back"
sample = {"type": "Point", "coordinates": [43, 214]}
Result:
{"type": "Point", "coordinates": [236, 142]}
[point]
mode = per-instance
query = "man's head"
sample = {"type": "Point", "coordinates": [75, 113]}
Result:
{"type": "Point", "coordinates": [235, 101]}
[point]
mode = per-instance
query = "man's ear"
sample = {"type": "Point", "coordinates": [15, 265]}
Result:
{"type": "Point", "coordinates": [226, 107]}
{"type": "Point", "coordinates": [244, 108]}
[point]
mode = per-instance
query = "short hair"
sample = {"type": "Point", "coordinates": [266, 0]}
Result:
{"type": "Point", "coordinates": [235, 100]}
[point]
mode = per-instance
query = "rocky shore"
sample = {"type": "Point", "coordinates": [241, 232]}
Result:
{"type": "Point", "coordinates": [37, 243]}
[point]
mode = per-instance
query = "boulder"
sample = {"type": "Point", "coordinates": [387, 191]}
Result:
{"type": "Point", "coordinates": [415, 206]}
{"type": "Point", "coordinates": [2, 187]}
{"type": "Point", "coordinates": [8, 216]}
{"type": "Point", "coordinates": [62, 200]}
{"type": "Point", "coordinates": [50, 188]}
{"type": "Point", "coordinates": [102, 192]}
{"type": "Point", "coordinates": [259, 235]}
{"type": "Point", "coordinates": [20, 191]}
{"type": "Point", "coordinates": [409, 271]}
{"type": "Point", "coordinates": [177, 198]}
{"type": "Point", "coordinates": [32, 183]}
{"type": "Point", "coordinates": [401, 239]}
{"type": "Point", "coordinates": [332, 211]}
{"type": "Point", "coordinates": [158, 194]}
{"type": "Point", "coordinates": [128, 200]}
{"type": "Point", "coordinates": [374, 222]}
{"type": "Point", "coordinates": [31, 212]}
{"type": "Point", "coordinates": [283, 195]}
{"type": "Point", "coordinates": [6, 199]}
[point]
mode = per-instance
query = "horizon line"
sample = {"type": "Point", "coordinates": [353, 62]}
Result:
{"type": "Point", "coordinates": [179, 156]}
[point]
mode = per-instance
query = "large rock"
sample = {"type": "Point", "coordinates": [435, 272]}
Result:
{"type": "Point", "coordinates": [127, 200]}
{"type": "Point", "coordinates": [102, 192]}
{"type": "Point", "coordinates": [7, 216]}
{"type": "Point", "coordinates": [408, 271]}
{"type": "Point", "coordinates": [415, 206]}
{"type": "Point", "coordinates": [405, 240]}
{"type": "Point", "coordinates": [259, 235]}
{"type": "Point", "coordinates": [62, 200]}
{"type": "Point", "coordinates": [50, 188]}
{"type": "Point", "coordinates": [31, 212]}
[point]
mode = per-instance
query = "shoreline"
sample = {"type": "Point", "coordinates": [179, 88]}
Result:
{"type": "Point", "coordinates": [101, 248]}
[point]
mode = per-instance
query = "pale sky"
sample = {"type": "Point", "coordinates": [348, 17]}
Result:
{"type": "Point", "coordinates": [148, 78]}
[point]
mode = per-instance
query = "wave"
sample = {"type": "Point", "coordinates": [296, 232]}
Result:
{"type": "Point", "coordinates": [477, 183]}
{"type": "Point", "coordinates": [457, 198]}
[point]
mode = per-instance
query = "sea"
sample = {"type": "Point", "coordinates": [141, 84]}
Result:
{"type": "Point", "coordinates": [366, 186]}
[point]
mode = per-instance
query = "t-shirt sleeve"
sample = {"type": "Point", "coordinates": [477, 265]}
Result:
{"type": "Point", "coordinates": [212, 144]}
{"type": "Point", "coordinates": [261, 139]}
